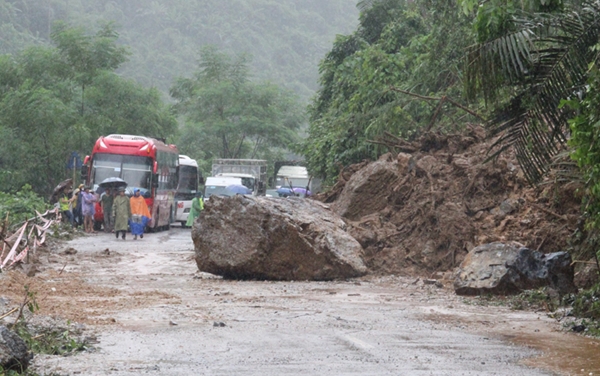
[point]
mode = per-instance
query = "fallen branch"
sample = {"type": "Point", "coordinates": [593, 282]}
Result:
{"type": "Point", "coordinates": [583, 262]}
{"type": "Point", "coordinates": [9, 313]}
{"type": "Point", "coordinates": [442, 99]}
{"type": "Point", "coordinates": [550, 212]}
{"type": "Point", "coordinates": [25, 303]}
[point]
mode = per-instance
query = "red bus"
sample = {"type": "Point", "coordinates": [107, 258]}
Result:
{"type": "Point", "coordinates": [143, 162]}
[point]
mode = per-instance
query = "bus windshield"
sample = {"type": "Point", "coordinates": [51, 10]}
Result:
{"type": "Point", "coordinates": [136, 171]}
{"type": "Point", "coordinates": [188, 183]}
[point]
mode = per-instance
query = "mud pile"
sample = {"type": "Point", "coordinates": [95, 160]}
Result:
{"type": "Point", "coordinates": [420, 211]}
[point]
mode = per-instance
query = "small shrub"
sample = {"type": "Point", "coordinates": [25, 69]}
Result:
{"type": "Point", "coordinates": [587, 303]}
{"type": "Point", "coordinates": [21, 205]}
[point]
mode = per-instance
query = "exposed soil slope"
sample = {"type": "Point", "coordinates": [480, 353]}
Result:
{"type": "Point", "coordinates": [421, 212]}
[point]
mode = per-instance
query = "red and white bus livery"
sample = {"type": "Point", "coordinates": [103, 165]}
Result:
{"type": "Point", "coordinates": [143, 162]}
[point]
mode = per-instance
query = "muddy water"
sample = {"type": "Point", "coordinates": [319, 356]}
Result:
{"type": "Point", "coordinates": [562, 352]}
{"type": "Point", "coordinates": [168, 322]}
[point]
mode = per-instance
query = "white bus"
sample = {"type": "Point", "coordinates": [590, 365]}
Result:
{"type": "Point", "coordinates": [186, 187]}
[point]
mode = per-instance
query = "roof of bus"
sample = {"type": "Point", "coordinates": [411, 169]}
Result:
{"type": "Point", "coordinates": [184, 160]}
{"type": "Point", "coordinates": [131, 145]}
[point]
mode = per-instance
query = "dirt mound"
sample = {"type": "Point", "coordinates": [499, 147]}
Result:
{"type": "Point", "coordinates": [421, 212]}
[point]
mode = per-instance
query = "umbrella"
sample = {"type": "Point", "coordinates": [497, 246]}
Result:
{"type": "Point", "coordinates": [113, 182]}
{"type": "Point", "coordinates": [297, 191]}
{"type": "Point", "coordinates": [238, 189]}
{"type": "Point", "coordinates": [65, 184]}
{"type": "Point", "coordinates": [301, 192]}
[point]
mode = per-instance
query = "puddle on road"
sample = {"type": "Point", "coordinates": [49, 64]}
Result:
{"type": "Point", "coordinates": [568, 354]}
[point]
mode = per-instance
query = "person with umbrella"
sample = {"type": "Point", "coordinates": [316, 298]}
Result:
{"type": "Point", "coordinates": [140, 215]}
{"type": "Point", "coordinates": [197, 207]}
{"type": "Point", "coordinates": [121, 212]}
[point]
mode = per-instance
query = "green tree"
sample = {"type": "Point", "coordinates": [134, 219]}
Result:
{"type": "Point", "coordinates": [525, 74]}
{"type": "Point", "coordinates": [229, 116]}
{"type": "Point", "coordinates": [41, 119]}
{"type": "Point", "coordinates": [88, 55]}
{"type": "Point", "coordinates": [411, 46]}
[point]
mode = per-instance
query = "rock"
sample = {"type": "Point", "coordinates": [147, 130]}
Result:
{"type": "Point", "coordinates": [586, 274]}
{"type": "Point", "coordinates": [70, 251]}
{"type": "Point", "coordinates": [508, 268]}
{"type": "Point", "coordinates": [406, 163]}
{"type": "Point", "coordinates": [14, 354]}
{"type": "Point", "coordinates": [29, 269]}
{"type": "Point", "coordinates": [367, 190]}
{"type": "Point", "coordinates": [429, 164]}
{"type": "Point", "coordinates": [249, 237]}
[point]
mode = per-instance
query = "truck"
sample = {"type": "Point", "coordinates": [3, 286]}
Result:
{"type": "Point", "coordinates": [252, 172]}
{"type": "Point", "coordinates": [218, 186]}
{"type": "Point", "coordinates": [294, 174]}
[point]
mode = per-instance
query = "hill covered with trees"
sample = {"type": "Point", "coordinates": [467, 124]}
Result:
{"type": "Point", "coordinates": [287, 38]}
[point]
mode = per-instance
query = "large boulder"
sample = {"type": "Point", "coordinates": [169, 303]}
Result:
{"type": "Point", "coordinates": [246, 237]}
{"type": "Point", "coordinates": [367, 190]}
{"type": "Point", "coordinates": [14, 354]}
{"type": "Point", "coordinates": [508, 268]}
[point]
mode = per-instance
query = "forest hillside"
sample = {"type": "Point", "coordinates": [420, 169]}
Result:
{"type": "Point", "coordinates": [287, 38]}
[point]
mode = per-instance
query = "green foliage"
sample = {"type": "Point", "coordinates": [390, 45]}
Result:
{"type": "Point", "coordinates": [57, 100]}
{"type": "Point", "coordinates": [413, 46]}
{"type": "Point", "coordinates": [587, 303]}
{"type": "Point", "coordinates": [539, 299]}
{"type": "Point", "coordinates": [585, 131]}
{"type": "Point", "coordinates": [494, 18]}
{"type": "Point", "coordinates": [21, 205]}
{"type": "Point", "coordinates": [229, 116]}
{"type": "Point", "coordinates": [51, 341]}
{"type": "Point", "coordinates": [524, 74]}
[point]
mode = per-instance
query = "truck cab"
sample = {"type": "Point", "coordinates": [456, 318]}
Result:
{"type": "Point", "coordinates": [217, 186]}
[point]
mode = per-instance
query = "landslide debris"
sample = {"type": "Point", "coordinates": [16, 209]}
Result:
{"type": "Point", "coordinates": [422, 212]}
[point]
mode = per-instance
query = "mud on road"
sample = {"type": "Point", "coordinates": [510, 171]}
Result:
{"type": "Point", "coordinates": [153, 313]}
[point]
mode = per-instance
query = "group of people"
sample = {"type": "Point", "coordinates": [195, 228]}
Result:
{"type": "Point", "coordinates": [120, 211]}
{"type": "Point", "coordinates": [79, 208]}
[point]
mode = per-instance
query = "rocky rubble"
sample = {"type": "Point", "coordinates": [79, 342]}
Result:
{"type": "Point", "coordinates": [14, 354]}
{"type": "Point", "coordinates": [422, 212]}
{"type": "Point", "coordinates": [507, 268]}
{"type": "Point", "coordinates": [249, 237]}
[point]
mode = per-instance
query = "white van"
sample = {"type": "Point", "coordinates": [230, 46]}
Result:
{"type": "Point", "coordinates": [217, 185]}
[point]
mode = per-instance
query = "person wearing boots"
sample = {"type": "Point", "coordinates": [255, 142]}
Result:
{"type": "Point", "coordinates": [140, 215]}
{"type": "Point", "coordinates": [121, 212]}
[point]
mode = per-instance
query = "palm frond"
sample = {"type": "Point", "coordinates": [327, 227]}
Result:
{"type": "Point", "coordinates": [545, 63]}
